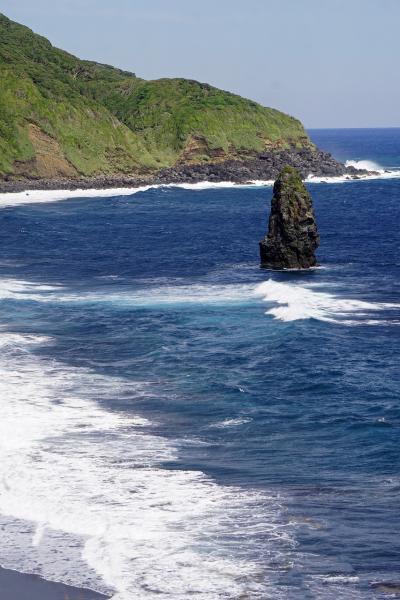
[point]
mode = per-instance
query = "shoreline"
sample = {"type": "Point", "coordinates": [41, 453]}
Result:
{"type": "Point", "coordinates": [72, 191]}
{"type": "Point", "coordinates": [15, 585]}
{"type": "Point", "coordinates": [314, 166]}
{"type": "Point", "coordinates": [264, 167]}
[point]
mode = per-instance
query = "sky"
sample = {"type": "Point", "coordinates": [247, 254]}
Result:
{"type": "Point", "coordinates": [330, 63]}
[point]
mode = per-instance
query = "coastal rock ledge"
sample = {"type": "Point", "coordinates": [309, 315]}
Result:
{"type": "Point", "coordinates": [263, 167]}
{"type": "Point", "coordinates": [292, 231]}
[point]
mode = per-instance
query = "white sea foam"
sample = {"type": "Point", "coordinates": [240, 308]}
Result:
{"type": "Point", "coordinates": [146, 297]}
{"type": "Point", "coordinates": [381, 174]}
{"type": "Point", "coordinates": [84, 498]}
{"type": "Point", "coordinates": [365, 165]}
{"type": "Point", "coordinates": [44, 196]}
{"type": "Point", "coordinates": [377, 172]}
{"type": "Point", "coordinates": [345, 587]}
{"type": "Point", "coordinates": [290, 301]}
{"type": "Point", "coordinates": [226, 423]}
{"type": "Point", "coordinates": [341, 579]}
{"type": "Point", "coordinates": [293, 302]}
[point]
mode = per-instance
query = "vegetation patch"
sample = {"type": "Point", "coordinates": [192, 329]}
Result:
{"type": "Point", "coordinates": [103, 120]}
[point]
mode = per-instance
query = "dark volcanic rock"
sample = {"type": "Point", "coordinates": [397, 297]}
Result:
{"type": "Point", "coordinates": [292, 232]}
{"type": "Point", "coordinates": [265, 166]}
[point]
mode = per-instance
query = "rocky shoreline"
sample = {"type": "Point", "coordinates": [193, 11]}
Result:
{"type": "Point", "coordinates": [264, 167]}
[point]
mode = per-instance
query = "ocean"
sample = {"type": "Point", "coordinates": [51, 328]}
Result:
{"type": "Point", "coordinates": [177, 422]}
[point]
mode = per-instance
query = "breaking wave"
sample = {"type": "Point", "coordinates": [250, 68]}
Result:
{"type": "Point", "coordinates": [45, 196]}
{"type": "Point", "coordinates": [84, 497]}
{"type": "Point", "coordinates": [365, 165]}
{"type": "Point", "coordinates": [293, 302]}
{"type": "Point", "coordinates": [377, 174]}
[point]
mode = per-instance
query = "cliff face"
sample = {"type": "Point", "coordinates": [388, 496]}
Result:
{"type": "Point", "coordinates": [292, 231]}
{"type": "Point", "coordinates": [95, 120]}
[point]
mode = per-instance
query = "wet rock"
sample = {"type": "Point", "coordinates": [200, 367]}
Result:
{"type": "Point", "coordinates": [292, 231]}
{"type": "Point", "coordinates": [265, 166]}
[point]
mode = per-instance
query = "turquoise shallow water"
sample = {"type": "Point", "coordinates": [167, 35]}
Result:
{"type": "Point", "coordinates": [184, 423]}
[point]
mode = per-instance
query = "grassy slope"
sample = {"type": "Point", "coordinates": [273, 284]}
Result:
{"type": "Point", "coordinates": [109, 121]}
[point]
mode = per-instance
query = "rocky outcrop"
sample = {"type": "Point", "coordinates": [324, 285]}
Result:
{"type": "Point", "coordinates": [265, 166]}
{"type": "Point", "coordinates": [292, 231]}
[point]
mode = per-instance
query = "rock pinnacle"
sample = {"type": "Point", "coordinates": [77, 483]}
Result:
{"type": "Point", "coordinates": [292, 232]}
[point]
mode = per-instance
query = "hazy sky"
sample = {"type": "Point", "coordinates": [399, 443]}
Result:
{"type": "Point", "coordinates": [331, 63]}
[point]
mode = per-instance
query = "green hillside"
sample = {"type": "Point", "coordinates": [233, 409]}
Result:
{"type": "Point", "coordinates": [63, 116]}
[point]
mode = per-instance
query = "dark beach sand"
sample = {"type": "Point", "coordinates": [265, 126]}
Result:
{"type": "Point", "coordinates": [17, 586]}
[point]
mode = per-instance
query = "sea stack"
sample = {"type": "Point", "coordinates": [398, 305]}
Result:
{"type": "Point", "coordinates": [292, 231]}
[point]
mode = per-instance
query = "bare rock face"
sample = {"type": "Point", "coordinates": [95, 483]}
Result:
{"type": "Point", "coordinates": [292, 232]}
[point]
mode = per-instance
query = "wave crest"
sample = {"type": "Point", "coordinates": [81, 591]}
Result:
{"type": "Point", "coordinates": [295, 302]}
{"type": "Point", "coordinates": [365, 165]}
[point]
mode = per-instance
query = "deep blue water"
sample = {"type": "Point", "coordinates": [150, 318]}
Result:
{"type": "Point", "coordinates": [286, 397]}
{"type": "Point", "coordinates": [381, 146]}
